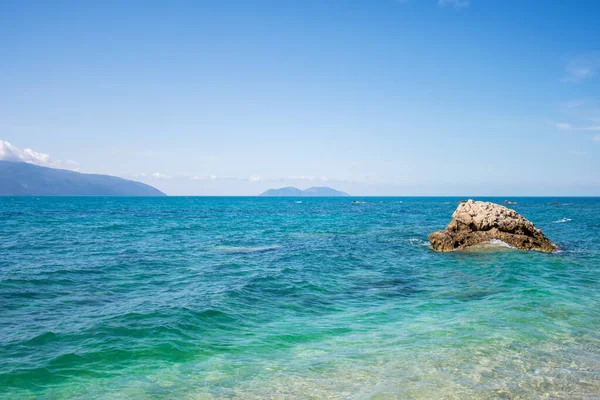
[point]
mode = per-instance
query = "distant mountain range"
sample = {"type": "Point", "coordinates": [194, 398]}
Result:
{"type": "Point", "coordinates": [23, 179]}
{"type": "Point", "coordinates": [322, 191]}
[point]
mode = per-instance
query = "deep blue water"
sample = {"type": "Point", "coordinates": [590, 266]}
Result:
{"type": "Point", "coordinates": [202, 298]}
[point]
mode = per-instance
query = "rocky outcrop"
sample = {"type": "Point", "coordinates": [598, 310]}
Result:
{"type": "Point", "coordinates": [477, 222]}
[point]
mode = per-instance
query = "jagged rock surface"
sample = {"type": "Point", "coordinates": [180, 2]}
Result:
{"type": "Point", "coordinates": [477, 222]}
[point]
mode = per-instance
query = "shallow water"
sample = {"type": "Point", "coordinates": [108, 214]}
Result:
{"type": "Point", "coordinates": [205, 298]}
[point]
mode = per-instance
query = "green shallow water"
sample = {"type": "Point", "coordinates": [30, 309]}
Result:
{"type": "Point", "coordinates": [211, 298]}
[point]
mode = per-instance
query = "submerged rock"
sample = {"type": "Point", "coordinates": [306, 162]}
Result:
{"type": "Point", "coordinates": [476, 222]}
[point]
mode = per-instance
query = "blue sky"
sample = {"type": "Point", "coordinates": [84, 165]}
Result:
{"type": "Point", "coordinates": [389, 97]}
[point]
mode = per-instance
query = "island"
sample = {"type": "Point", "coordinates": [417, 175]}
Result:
{"type": "Point", "coordinates": [24, 179]}
{"type": "Point", "coordinates": [317, 191]}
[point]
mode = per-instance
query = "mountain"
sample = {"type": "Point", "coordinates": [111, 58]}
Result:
{"type": "Point", "coordinates": [321, 191]}
{"type": "Point", "coordinates": [284, 191]}
{"type": "Point", "coordinates": [23, 179]}
{"type": "Point", "coordinates": [324, 191]}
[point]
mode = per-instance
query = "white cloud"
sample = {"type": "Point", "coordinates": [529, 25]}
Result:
{"type": "Point", "coordinates": [8, 152]}
{"type": "Point", "coordinates": [582, 67]}
{"type": "Point", "coordinates": [72, 165]}
{"type": "Point", "coordinates": [586, 111]}
{"type": "Point", "coordinates": [254, 178]}
{"type": "Point", "coordinates": [571, 128]}
{"type": "Point", "coordinates": [564, 126]}
{"type": "Point", "coordinates": [454, 3]}
{"type": "Point", "coordinates": [568, 127]}
{"type": "Point", "coordinates": [574, 104]}
{"type": "Point", "coordinates": [301, 178]}
{"type": "Point", "coordinates": [158, 175]}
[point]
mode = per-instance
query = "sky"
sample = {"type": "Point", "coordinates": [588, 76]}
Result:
{"type": "Point", "coordinates": [373, 97]}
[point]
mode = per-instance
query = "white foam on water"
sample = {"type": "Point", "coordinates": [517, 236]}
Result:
{"type": "Point", "coordinates": [245, 249]}
{"type": "Point", "coordinates": [418, 241]}
{"type": "Point", "coordinates": [500, 243]}
{"type": "Point", "coordinates": [561, 221]}
{"type": "Point", "coordinates": [494, 244]}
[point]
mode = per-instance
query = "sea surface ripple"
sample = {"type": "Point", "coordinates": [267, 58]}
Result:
{"type": "Point", "coordinates": [266, 298]}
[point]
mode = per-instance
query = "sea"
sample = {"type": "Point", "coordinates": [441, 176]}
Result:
{"type": "Point", "coordinates": [292, 298]}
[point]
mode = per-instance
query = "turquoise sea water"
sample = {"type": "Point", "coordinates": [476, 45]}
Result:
{"type": "Point", "coordinates": [212, 298]}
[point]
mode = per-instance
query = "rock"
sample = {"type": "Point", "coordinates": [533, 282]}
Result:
{"type": "Point", "coordinates": [477, 222]}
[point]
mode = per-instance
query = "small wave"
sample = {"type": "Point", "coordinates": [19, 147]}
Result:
{"type": "Point", "coordinates": [489, 245]}
{"type": "Point", "coordinates": [176, 228]}
{"type": "Point", "coordinates": [298, 202]}
{"type": "Point", "coordinates": [110, 227]}
{"type": "Point", "coordinates": [418, 241]}
{"type": "Point", "coordinates": [245, 249]}
{"type": "Point", "coordinates": [560, 221]}
{"type": "Point", "coordinates": [500, 243]}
